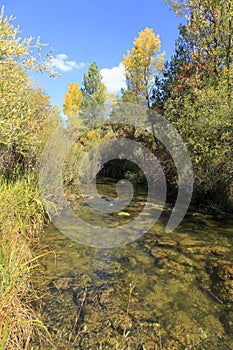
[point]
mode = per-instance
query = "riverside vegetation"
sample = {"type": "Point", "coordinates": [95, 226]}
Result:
{"type": "Point", "coordinates": [27, 120]}
{"type": "Point", "coordinates": [194, 92]}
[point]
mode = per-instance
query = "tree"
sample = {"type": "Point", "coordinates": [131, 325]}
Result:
{"type": "Point", "coordinates": [73, 100]}
{"type": "Point", "coordinates": [176, 72]}
{"type": "Point", "coordinates": [199, 101]}
{"type": "Point", "coordinates": [210, 24]}
{"type": "Point", "coordinates": [141, 64]}
{"type": "Point", "coordinates": [13, 49]}
{"type": "Point", "coordinates": [94, 95]}
{"type": "Point", "coordinates": [24, 110]}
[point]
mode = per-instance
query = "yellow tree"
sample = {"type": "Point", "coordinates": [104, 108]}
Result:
{"type": "Point", "coordinates": [73, 100]}
{"type": "Point", "coordinates": [142, 63]}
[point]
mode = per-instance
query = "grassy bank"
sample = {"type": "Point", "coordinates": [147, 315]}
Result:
{"type": "Point", "coordinates": [22, 217]}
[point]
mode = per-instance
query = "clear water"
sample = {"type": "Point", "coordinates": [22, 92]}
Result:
{"type": "Point", "coordinates": [162, 291]}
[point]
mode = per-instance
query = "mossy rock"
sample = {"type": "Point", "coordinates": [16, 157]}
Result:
{"type": "Point", "coordinates": [168, 243]}
{"type": "Point", "coordinates": [221, 275]}
{"type": "Point", "coordinates": [227, 321]}
{"type": "Point", "coordinates": [183, 330]}
{"type": "Point", "coordinates": [158, 252]}
{"type": "Point", "coordinates": [213, 328]}
{"type": "Point", "coordinates": [215, 250]}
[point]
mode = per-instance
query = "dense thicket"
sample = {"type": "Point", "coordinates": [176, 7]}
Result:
{"type": "Point", "coordinates": [26, 114]}
{"type": "Point", "coordinates": [195, 94]}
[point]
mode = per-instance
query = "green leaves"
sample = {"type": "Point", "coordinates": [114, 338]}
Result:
{"type": "Point", "coordinates": [198, 94]}
{"type": "Point", "coordinates": [94, 95]}
{"type": "Point", "coordinates": [92, 80]}
{"type": "Point", "coordinates": [26, 115]}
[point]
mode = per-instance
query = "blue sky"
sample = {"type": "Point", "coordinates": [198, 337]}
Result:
{"type": "Point", "coordinates": [79, 32]}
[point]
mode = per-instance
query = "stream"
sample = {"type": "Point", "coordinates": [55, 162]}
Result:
{"type": "Point", "coordinates": [165, 291]}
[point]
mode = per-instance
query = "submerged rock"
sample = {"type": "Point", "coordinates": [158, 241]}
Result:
{"type": "Point", "coordinates": [221, 275]}
{"type": "Point", "coordinates": [227, 320]}
{"type": "Point", "coordinates": [169, 243]}
{"type": "Point", "coordinates": [183, 330]}
{"type": "Point", "coordinates": [215, 249]}
{"type": "Point", "coordinates": [103, 274]}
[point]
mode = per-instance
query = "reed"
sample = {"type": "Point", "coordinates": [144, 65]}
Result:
{"type": "Point", "coordinates": [22, 217]}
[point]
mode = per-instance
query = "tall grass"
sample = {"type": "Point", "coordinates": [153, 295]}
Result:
{"type": "Point", "coordinates": [21, 219]}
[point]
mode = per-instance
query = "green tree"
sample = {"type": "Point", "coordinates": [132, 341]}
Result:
{"type": "Point", "coordinates": [210, 26]}
{"type": "Point", "coordinates": [176, 72]}
{"type": "Point", "coordinates": [199, 101]}
{"type": "Point", "coordinates": [94, 95]}
{"type": "Point", "coordinates": [204, 120]}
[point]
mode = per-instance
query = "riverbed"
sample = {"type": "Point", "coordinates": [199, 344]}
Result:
{"type": "Point", "coordinates": [169, 291]}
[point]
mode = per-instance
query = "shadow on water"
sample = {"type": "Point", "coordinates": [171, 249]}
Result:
{"type": "Point", "coordinates": [183, 285]}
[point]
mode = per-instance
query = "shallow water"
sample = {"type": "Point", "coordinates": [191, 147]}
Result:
{"type": "Point", "coordinates": [164, 291]}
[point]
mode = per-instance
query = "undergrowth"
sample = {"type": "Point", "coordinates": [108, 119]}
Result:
{"type": "Point", "coordinates": [22, 217]}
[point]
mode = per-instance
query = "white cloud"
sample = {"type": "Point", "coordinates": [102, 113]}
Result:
{"type": "Point", "coordinates": [114, 78]}
{"type": "Point", "coordinates": [61, 62]}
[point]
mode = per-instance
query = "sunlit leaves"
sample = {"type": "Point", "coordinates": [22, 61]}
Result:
{"type": "Point", "coordinates": [26, 115]}
{"type": "Point", "coordinates": [199, 98]}
{"type": "Point", "coordinates": [142, 62]}
{"type": "Point", "coordinates": [73, 100]}
{"type": "Point", "coordinates": [210, 26]}
{"type": "Point", "coordinates": [14, 48]}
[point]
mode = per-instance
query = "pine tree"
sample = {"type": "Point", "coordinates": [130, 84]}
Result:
{"type": "Point", "coordinates": [94, 95]}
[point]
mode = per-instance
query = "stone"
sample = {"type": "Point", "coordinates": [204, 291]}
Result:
{"type": "Point", "coordinates": [183, 329]}
{"type": "Point", "coordinates": [216, 250]}
{"type": "Point", "coordinates": [221, 275]}
{"type": "Point", "coordinates": [166, 243]}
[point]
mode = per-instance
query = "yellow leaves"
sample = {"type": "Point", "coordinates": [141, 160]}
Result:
{"type": "Point", "coordinates": [73, 99]}
{"type": "Point", "coordinates": [141, 62]}
{"type": "Point", "coordinates": [123, 213]}
{"type": "Point", "coordinates": [112, 98]}
{"type": "Point", "coordinates": [159, 61]}
{"type": "Point", "coordinates": [224, 69]}
{"type": "Point", "coordinates": [92, 134]}
{"type": "Point", "coordinates": [146, 45]}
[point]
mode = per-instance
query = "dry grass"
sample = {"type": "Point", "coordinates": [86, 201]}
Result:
{"type": "Point", "coordinates": [21, 219]}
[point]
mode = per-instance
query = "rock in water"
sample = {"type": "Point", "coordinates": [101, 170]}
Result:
{"type": "Point", "coordinates": [221, 274]}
